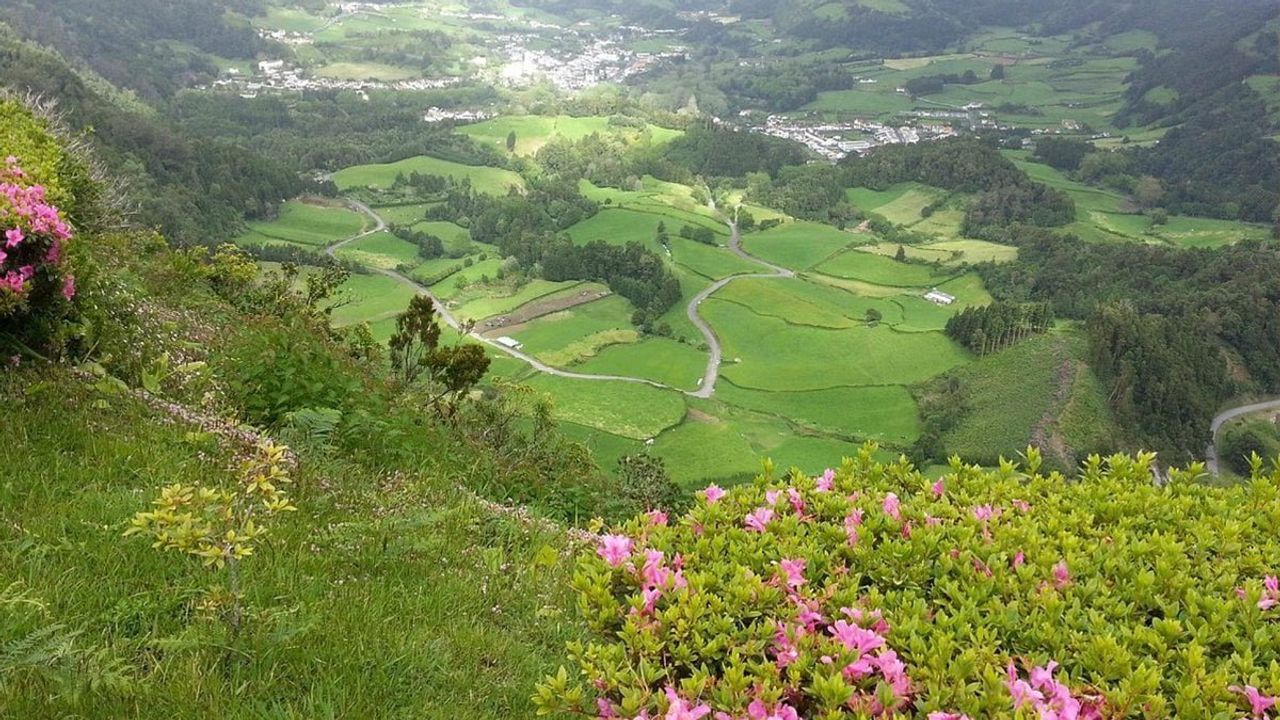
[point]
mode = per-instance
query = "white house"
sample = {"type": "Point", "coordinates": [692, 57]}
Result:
{"type": "Point", "coordinates": [509, 342]}
{"type": "Point", "coordinates": [938, 297]}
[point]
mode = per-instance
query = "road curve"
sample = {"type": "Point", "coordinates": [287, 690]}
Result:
{"type": "Point", "coordinates": [1226, 416]}
{"type": "Point", "coordinates": [712, 373]}
{"type": "Point", "coordinates": [708, 385]}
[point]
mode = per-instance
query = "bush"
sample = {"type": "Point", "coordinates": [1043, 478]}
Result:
{"type": "Point", "coordinates": [873, 589]}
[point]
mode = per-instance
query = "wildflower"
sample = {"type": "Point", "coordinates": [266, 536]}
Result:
{"type": "Point", "coordinates": [758, 519]}
{"type": "Point", "coordinates": [856, 637]}
{"type": "Point", "coordinates": [713, 493]}
{"type": "Point", "coordinates": [794, 572]}
{"type": "Point", "coordinates": [615, 549]}
{"type": "Point", "coordinates": [1259, 704]}
{"type": "Point", "coordinates": [826, 481]}
{"type": "Point", "coordinates": [892, 507]}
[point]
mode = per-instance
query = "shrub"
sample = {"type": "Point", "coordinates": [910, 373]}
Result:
{"type": "Point", "coordinates": [871, 591]}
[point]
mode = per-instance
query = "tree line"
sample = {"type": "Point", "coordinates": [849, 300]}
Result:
{"type": "Point", "coordinates": [994, 327]}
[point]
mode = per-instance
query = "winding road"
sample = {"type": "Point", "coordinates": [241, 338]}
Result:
{"type": "Point", "coordinates": [1226, 416]}
{"type": "Point", "coordinates": [712, 373]}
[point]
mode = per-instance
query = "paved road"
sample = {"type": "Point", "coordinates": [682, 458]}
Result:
{"type": "Point", "coordinates": [708, 386]}
{"type": "Point", "coordinates": [1226, 416]}
{"type": "Point", "coordinates": [709, 378]}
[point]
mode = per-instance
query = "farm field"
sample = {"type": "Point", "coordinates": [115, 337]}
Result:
{"type": "Point", "coordinates": [495, 181]}
{"type": "Point", "coordinates": [306, 224]}
{"type": "Point", "coordinates": [801, 245]}
{"type": "Point", "coordinates": [381, 250]}
{"type": "Point", "coordinates": [534, 131]}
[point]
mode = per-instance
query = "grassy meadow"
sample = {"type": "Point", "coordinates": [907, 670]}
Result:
{"type": "Point", "coordinates": [495, 181]}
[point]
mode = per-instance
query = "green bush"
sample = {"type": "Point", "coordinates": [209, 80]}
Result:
{"type": "Point", "coordinates": [872, 591]}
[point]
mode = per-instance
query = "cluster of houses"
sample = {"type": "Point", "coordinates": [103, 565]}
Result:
{"type": "Point", "coordinates": [436, 115]}
{"type": "Point", "coordinates": [276, 75]}
{"type": "Point", "coordinates": [602, 60]}
{"type": "Point", "coordinates": [834, 141]}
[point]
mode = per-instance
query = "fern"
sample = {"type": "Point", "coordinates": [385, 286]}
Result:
{"type": "Point", "coordinates": [313, 426]}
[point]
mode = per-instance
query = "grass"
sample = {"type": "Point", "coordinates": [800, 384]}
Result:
{"type": "Point", "coordinates": [402, 214]}
{"type": "Point", "coordinates": [495, 181]}
{"type": "Point", "coordinates": [711, 262]}
{"type": "Point", "coordinates": [381, 250]}
{"type": "Point", "coordinates": [880, 270]}
{"type": "Point", "coordinates": [881, 413]}
{"type": "Point", "coordinates": [305, 224]}
{"type": "Point", "coordinates": [366, 71]}
{"type": "Point", "coordinates": [456, 283]}
{"type": "Point", "coordinates": [1039, 383]}
{"type": "Point", "coordinates": [489, 303]}
{"type": "Point", "coordinates": [901, 204]}
{"type": "Point", "coordinates": [534, 131]}
{"type": "Point", "coordinates": [767, 353]}
{"type": "Point", "coordinates": [329, 593]}
{"type": "Point", "coordinates": [627, 409]}
{"type": "Point", "coordinates": [800, 245]}
{"type": "Point", "coordinates": [551, 333]}
{"type": "Point", "coordinates": [659, 359]}
{"type": "Point", "coordinates": [368, 298]}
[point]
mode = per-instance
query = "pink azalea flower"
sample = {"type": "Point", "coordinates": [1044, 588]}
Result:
{"type": "Point", "coordinates": [931, 521]}
{"type": "Point", "coordinates": [650, 597]}
{"type": "Point", "coordinates": [1061, 575]}
{"type": "Point", "coordinates": [1019, 560]}
{"type": "Point", "coordinates": [892, 507]}
{"type": "Point", "coordinates": [1259, 704]}
{"type": "Point", "coordinates": [797, 501]}
{"type": "Point", "coordinates": [656, 517]}
{"type": "Point", "coordinates": [13, 237]}
{"type": "Point", "coordinates": [759, 519]}
{"type": "Point", "coordinates": [856, 637]}
{"type": "Point", "coordinates": [679, 709]}
{"type": "Point", "coordinates": [713, 493]}
{"type": "Point", "coordinates": [771, 497]}
{"type": "Point", "coordinates": [1021, 691]}
{"type": "Point", "coordinates": [827, 481]}
{"type": "Point", "coordinates": [794, 572]}
{"type": "Point", "coordinates": [605, 709]}
{"type": "Point", "coordinates": [906, 530]}
{"type": "Point", "coordinates": [758, 711]}
{"type": "Point", "coordinates": [69, 287]}
{"type": "Point", "coordinates": [939, 489]}
{"type": "Point", "coordinates": [615, 549]}
{"type": "Point", "coordinates": [984, 513]}
{"type": "Point", "coordinates": [1022, 506]}
{"type": "Point", "coordinates": [947, 716]}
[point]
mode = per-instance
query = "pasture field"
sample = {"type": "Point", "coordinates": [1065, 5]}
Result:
{"type": "Point", "coordinates": [801, 245]}
{"type": "Point", "coordinates": [552, 333]}
{"type": "Point", "coordinates": [481, 303]}
{"type": "Point", "coordinates": [535, 131]}
{"type": "Point", "coordinates": [885, 413]}
{"type": "Point", "coordinates": [659, 359]}
{"type": "Point", "coordinates": [797, 302]}
{"type": "Point", "coordinates": [495, 181]}
{"type": "Point", "coordinates": [627, 409]}
{"type": "Point", "coordinates": [367, 298]}
{"type": "Point", "coordinates": [767, 353]}
{"type": "Point", "coordinates": [365, 71]}
{"type": "Point", "coordinates": [306, 224]}
{"type": "Point", "coordinates": [872, 268]}
{"type": "Point", "coordinates": [409, 214]}
{"type": "Point", "coordinates": [658, 197]}
{"type": "Point", "coordinates": [456, 283]}
{"type": "Point", "coordinates": [709, 261]}
{"type": "Point", "coordinates": [455, 237]}
{"type": "Point", "coordinates": [619, 227]}
{"type": "Point", "coordinates": [901, 204]}
{"type": "Point", "coordinates": [381, 250]}
{"type": "Point", "coordinates": [948, 252]}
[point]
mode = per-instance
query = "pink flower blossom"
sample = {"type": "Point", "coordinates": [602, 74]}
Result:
{"type": "Point", "coordinates": [1061, 575]}
{"type": "Point", "coordinates": [931, 521]}
{"type": "Point", "coordinates": [782, 711]}
{"type": "Point", "coordinates": [679, 709]}
{"type": "Point", "coordinates": [605, 709]}
{"type": "Point", "coordinates": [826, 481]}
{"type": "Point", "coordinates": [906, 530]}
{"type": "Point", "coordinates": [892, 507]}
{"type": "Point", "coordinates": [856, 637]}
{"type": "Point", "coordinates": [1259, 704]}
{"type": "Point", "coordinates": [794, 572]}
{"type": "Point", "coordinates": [656, 518]}
{"type": "Point", "coordinates": [797, 501]}
{"type": "Point", "coordinates": [1022, 505]}
{"type": "Point", "coordinates": [947, 716]}
{"type": "Point", "coordinates": [1020, 689]}
{"type": "Point", "coordinates": [650, 598]}
{"type": "Point", "coordinates": [713, 493]}
{"type": "Point", "coordinates": [939, 489]}
{"type": "Point", "coordinates": [615, 549]}
{"type": "Point", "coordinates": [1270, 593]}
{"type": "Point", "coordinates": [984, 513]}
{"type": "Point", "coordinates": [771, 497]}
{"type": "Point", "coordinates": [1019, 560]}
{"type": "Point", "coordinates": [13, 237]}
{"type": "Point", "coordinates": [69, 287]}
{"type": "Point", "coordinates": [759, 519]}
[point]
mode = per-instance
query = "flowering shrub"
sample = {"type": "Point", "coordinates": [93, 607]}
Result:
{"type": "Point", "coordinates": [33, 239]}
{"type": "Point", "coordinates": [872, 591]}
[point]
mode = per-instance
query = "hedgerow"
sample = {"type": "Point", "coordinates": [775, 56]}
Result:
{"type": "Point", "coordinates": [872, 591]}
